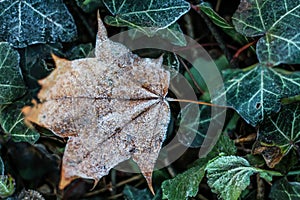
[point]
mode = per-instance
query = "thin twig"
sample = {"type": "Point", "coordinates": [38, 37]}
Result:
{"type": "Point", "coordinates": [191, 75]}
{"type": "Point", "coordinates": [134, 178]}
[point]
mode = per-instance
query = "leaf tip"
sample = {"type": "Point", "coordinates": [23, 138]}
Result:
{"type": "Point", "coordinates": [29, 115]}
{"type": "Point", "coordinates": [148, 177]}
{"type": "Point", "coordinates": [102, 33]}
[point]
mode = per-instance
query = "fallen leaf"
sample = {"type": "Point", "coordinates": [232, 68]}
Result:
{"type": "Point", "coordinates": [112, 108]}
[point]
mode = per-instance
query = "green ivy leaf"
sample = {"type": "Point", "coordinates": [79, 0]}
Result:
{"type": "Point", "coordinates": [7, 183]}
{"type": "Point", "coordinates": [228, 176]}
{"type": "Point", "coordinates": [12, 122]}
{"type": "Point", "coordinates": [281, 130]}
{"type": "Point", "coordinates": [89, 6]}
{"type": "Point", "coordinates": [11, 80]}
{"type": "Point", "coordinates": [277, 22]}
{"type": "Point", "coordinates": [29, 22]}
{"type": "Point", "coordinates": [256, 92]}
{"type": "Point", "coordinates": [222, 23]}
{"type": "Point", "coordinates": [153, 14]}
{"type": "Point", "coordinates": [282, 189]}
{"type": "Point", "coordinates": [186, 184]}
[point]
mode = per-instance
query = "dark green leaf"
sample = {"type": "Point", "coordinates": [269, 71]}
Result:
{"type": "Point", "coordinates": [194, 121]}
{"type": "Point", "coordinates": [29, 22]}
{"type": "Point", "coordinates": [11, 80]}
{"type": "Point", "coordinates": [277, 22]}
{"type": "Point", "coordinates": [222, 23]}
{"type": "Point", "coordinates": [282, 189]}
{"type": "Point", "coordinates": [89, 6]}
{"type": "Point", "coordinates": [153, 14]}
{"type": "Point", "coordinates": [228, 176]}
{"type": "Point", "coordinates": [281, 130]}
{"type": "Point", "coordinates": [131, 193]}
{"type": "Point", "coordinates": [256, 92]}
{"type": "Point", "coordinates": [33, 64]}
{"type": "Point", "coordinates": [12, 122]}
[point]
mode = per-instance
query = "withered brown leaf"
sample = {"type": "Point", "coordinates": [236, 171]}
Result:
{"type": "Point", "coordinates": [112, 108]}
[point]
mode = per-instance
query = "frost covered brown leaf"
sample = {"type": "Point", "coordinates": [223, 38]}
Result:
{"type": "Point", "coordinates": [111, 107]}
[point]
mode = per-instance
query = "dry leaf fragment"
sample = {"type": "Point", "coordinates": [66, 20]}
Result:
{"type": "Point", "coordinates": [112, 108]}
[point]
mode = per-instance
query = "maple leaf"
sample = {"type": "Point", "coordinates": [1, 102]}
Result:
{"type": "Point", "coordinates": [112, 108]}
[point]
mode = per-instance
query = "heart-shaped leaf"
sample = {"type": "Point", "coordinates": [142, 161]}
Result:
{"type": "Point", "coordinates": [282, 189]}
{"type": "Point", "coordinates": [153, 14]}
{"type": "Point", "coordinates": [256, 92]}
{"type": "Point", "coordinates": [11, 80]}
{"type": "Point", "coordinates": [26, 22]}
{"type": "Point", "coordinates": [278, 22]}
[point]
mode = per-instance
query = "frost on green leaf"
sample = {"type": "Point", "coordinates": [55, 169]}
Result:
{"type": "Point", "coordinates": [183, 185]}
{"type": "Point", "coordinates": [257, 92]}
{"type": "Point", "coordinates": [186, 184]}
{"type": "Point", "coordinates": [11, 80]}
{"type": "Point", "coordinates": [278, 22]}
{"type": "Point", "coordinates": [172, 33]}
{"type": "Point", "coordinates": [153, 14]}
{"type": "Point", "coordinates": [12, 122]}
{"type": "Point", "coordinates": [26, 22]}
{"type": "Point", "coordinates": [7, 183]}
{"type": "Point", "coordinates": [228, 176]}
{"type": "Point", "coordinates": [281, 130]}
{"type": "Point", "coordinates": [282, 189]}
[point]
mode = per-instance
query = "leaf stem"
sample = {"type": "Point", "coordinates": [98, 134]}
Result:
{"type": "Point", "coordinates": [196, 102]}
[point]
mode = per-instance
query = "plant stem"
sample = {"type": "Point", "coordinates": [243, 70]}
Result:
{"type": "Point", "coordinates": [214, 32]}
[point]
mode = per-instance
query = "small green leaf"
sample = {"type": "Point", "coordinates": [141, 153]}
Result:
{"type": "Point", "coordinates": [281, 130]}
{"type": "Point", "coordinates": [183, 185]}
{"type": "Point", "coordinates": [7, 186]}
{"type": "Point", "coordinates": [11, 80]}
{"type": "Point", "coordinates": [282, 189]}
{"type": "Point", "coordinates": [228, 176]}
{"type": "Point", "coordinates": [132, 193]}
{"type": "Point", "coordinates": [89, 6]}
{"type": "Point", "coordinates": [186, 184]}
{"type": "Point", "coordinates": [12, 122]}
{"type": "Point", "coordinates": [29, 22]}
{"type": "Point", "coordinates": [222, 23]}
{"type": "Point", "coordinates": [153, 14]}
{"type": "Point", "coordinates": [256, 92]}
{"type": "Point", "coordinates": [277, 22]}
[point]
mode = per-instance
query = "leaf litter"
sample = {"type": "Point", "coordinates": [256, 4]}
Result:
{"type": "Point", "coordinates": [111, 107]}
